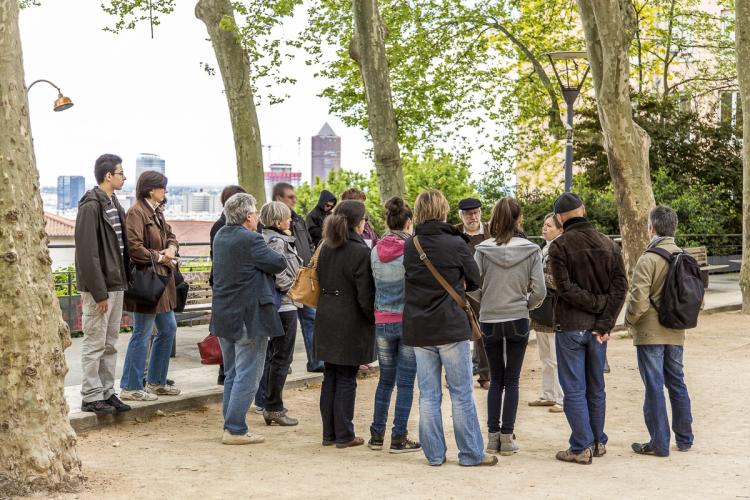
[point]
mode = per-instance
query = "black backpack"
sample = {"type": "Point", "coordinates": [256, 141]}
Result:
{"type": "Point", "coordinates": [682, 296]}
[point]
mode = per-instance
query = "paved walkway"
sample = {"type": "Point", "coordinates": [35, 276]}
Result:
{"type": "Point", "coordinates": [198, 382]}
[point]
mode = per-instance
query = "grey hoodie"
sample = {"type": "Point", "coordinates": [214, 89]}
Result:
{"type": "Point", "coordinates": [512, 279]}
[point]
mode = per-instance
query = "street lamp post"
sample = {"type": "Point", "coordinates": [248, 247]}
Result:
{"type": "Point", "coordinates": [61, 103]}
{"type": "Point", "coordinates": [571, 69]}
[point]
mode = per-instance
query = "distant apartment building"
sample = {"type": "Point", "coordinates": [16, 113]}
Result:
{"type": "Point", "coordinates": [326, 153]}
{"type": "Point", "coordinates": [280, 172]}
{"type": "Point", "coordinates": [149, 161]}
{"type": "Point", "coordinates": [70, 189]}
{"type": "Point", "coordinates": [200, 202]}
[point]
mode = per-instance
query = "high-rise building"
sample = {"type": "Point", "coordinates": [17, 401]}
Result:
{"type": "Point", "coordinates": [326, 153]}
{"type": "Point", "coordinates": [200, 202]}
{"type": "Point", "coordinates": [70, 189]}
{"type": "Point", "coordinates": [280, 172]}
{"type": "Point", "coordinates": [148, 161]}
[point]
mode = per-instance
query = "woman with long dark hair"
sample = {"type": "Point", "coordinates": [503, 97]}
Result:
{"type": "Point", "coordinates": [344, 335]}
{"type": "Point", "coordinates": [150, 242]}
{"type": "Point", "coordinates": [512, 284]}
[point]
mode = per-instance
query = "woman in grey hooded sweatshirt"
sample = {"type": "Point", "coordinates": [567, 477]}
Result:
{"type": "Point", "coordinates": [512, 284]}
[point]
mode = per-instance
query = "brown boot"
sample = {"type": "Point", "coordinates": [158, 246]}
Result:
{"type": "Point", "coordinates": [280, 417]}
{"type": "Point", "coordinates": [583, 458]}
{"type": "Point", "coordinates": [600, 449]}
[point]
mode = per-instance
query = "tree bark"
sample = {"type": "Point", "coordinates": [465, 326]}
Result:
{"type": "Point", "coordinates": [609, 27]}
{"type": "Point", "coordinates": [37, 444]}
{"type": "Point", "coordinates": [234, 66]}
{"type": "Point", "coordinates": [367, 48]}
{"type": "Point", "coordinates": [742, 41]}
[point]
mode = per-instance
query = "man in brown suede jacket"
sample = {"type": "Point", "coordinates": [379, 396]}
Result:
{"type": "Point", "coordinates": [591, 285]}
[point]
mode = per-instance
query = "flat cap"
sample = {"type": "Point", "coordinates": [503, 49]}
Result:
{"type": "Point", "coordinates": [469, 204]}
{"type": "Point", "coordinates": [567, 202]}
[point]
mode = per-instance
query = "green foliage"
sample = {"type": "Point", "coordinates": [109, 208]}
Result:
{"type": "Point", "coordinates": [129, 13]}
{"type": "Point", "coordinates": [433, 170]}
{"type": "Point", "coordinates": [696, 163]}
{"type": "Point", "coordinates": [61, 278]}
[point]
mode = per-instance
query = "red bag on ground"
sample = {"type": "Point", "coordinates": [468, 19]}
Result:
{"type": "Point", "coordinates": [210, 351]}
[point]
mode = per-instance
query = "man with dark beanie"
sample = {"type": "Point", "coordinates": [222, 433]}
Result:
{"type": "Point", "coordinates": [589, 274]}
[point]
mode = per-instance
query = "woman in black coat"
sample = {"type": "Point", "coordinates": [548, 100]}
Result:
{"type": "Point", "coordinates": [439, 331]}
{"type": "Point", "coordinates": [344, 335]}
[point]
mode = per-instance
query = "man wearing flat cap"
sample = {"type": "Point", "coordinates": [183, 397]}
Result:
{"type": "Point", "coordinates": [470, 211]}
{"type": "Point", "coordinates": [591, 283]}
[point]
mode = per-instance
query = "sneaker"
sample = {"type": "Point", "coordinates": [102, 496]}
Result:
{"type": "Point", "coordinates": [557, 408]}
{"type": "Point", "coordinates": [248, 438]}
{"type": "Point", "coordinates": [376, 441]}
{"type": "Point", "coordinates": [582, 458]}
{"type": "Point", "coordinates": [600, 449]}
{"type": "Point", "coordinates": [508, 445]}
{"type": "Point", "coordinates": [118, 405]}
{"type": "Point", "coordinates": [258, 410]}
{"type": "Point", "coordinates": [99, 407]}
{"type": "Point", "coordinates": [163, 390]}
{"type": "Point", "coordinates": [647, 449]}
{"type": "Point", "coordinates": [685, 447]}
{"type": "Point", "coordinates": [138, 395]}
{"type": "Point", "coordinates": [402, 444]}
{"type": "Point", "coordinates": [489, 461]}
{"type": "Point", "coordinates": [542, 402]}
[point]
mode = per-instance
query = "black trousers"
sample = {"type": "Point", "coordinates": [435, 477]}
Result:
{"type": "Point", "coordinates": [278, 358]}
{"type": "Point", "coordinates": [337, 397]}
{"type": "Point", "coordinates": [505, 344]}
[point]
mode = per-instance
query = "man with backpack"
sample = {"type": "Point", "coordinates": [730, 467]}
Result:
{"type": "Point", "coordinates": [665, 297]}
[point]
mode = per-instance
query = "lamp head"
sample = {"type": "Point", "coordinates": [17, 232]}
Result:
{"type": "Point", "coordinates": [62, 103]}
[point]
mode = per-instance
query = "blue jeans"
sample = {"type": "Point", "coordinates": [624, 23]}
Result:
{"type": "Point", "coordinates": [398, 367]}
{"type": "Point", "coordinates": [307, 322]}
{"type": "Point", "coordinates": [456, 359]}
{"type": "Point", "coordinates": [580, 365]}
{"type": "Point", "coordinates": [243, 367]}
{"type": "Point", "coordinates": [661, 365]}
{"type": "Point", "coordinates": [161, 348]}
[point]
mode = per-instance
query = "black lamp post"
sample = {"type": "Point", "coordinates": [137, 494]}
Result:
{"type": "Point", "coordinates": [61, 103]}
{"type": "Point", "coordinates": [571, 69]}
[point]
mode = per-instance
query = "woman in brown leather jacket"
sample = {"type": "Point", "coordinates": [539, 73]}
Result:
{"type": "Point", "coordinates": [150, 239]}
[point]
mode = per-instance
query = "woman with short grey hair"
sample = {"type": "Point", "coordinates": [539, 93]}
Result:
{"type": "Point", "coordinates": [243, 308]}
{"type": "Point", "coordinates": [276, 219]}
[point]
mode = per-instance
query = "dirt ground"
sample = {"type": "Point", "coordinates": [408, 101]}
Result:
{"type": "Point", "coordinates": [180, 456]}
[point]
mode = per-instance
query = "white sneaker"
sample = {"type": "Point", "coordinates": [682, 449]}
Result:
{"type": "Point", "coordinates": [138, 395]}
{"type": "Point", "coordinates": [163, 390]}
{"type": "Point", "coordinates": [248, 438]}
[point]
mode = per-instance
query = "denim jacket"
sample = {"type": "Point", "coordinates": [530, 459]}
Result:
{"type": "Point", "coordinates": [387, 260]}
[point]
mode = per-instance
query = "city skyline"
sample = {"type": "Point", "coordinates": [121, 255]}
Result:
{"type": "Point", "coordinates": [165, 73]}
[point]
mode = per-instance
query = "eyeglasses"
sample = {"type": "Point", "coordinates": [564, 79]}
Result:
{"type": "Point", "coordinates": [119, 173]}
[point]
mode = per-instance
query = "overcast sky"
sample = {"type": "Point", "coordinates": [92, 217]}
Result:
{"type": "Point", "coordinates": [133, 94]}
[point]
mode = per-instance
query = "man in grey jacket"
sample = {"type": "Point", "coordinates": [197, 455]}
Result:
{"type": "Point", "coordinates": [101, 277]}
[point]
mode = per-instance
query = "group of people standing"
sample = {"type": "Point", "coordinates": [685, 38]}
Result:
{"type": "Point", "coordinates": [397, 299]}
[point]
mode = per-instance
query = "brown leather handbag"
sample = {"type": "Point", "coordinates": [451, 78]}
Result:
{"type": "Point", "coordinates": [306, 289]}
{"type": "Point", "coordinates": [476, 331]}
